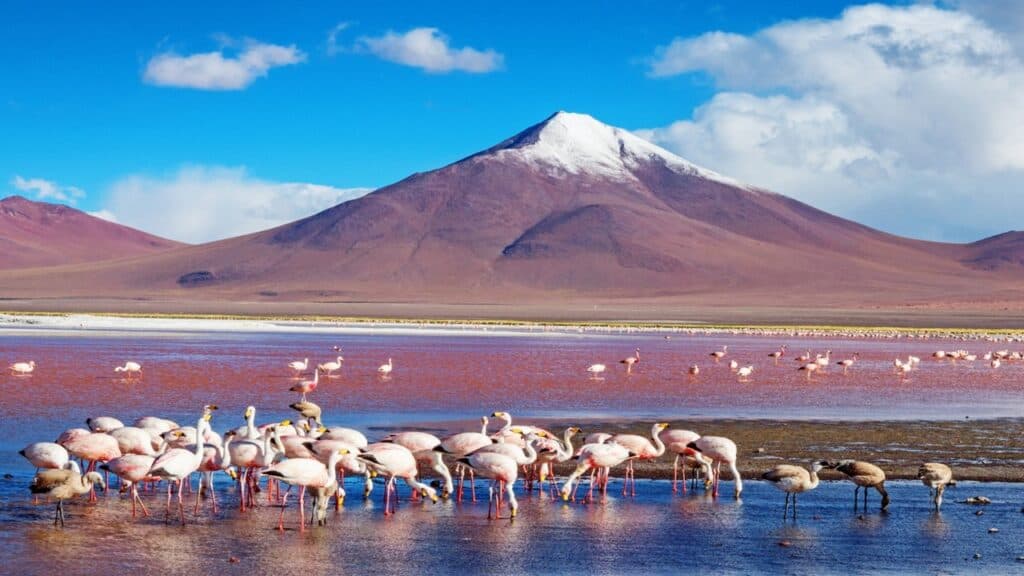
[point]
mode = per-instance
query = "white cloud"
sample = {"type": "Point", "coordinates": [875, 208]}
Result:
{"type": "Point", "coordinates": [200, 203]}
{"type": "Point", "coordinates": [332, 39]}
{"type": "Point", "coordinates": [428, 48]}
{"type": "Point", "coordinates": [216, 71]}
{"type": "Point", "coordinates": [41, 189]}
{"type": "Point", "coordinates": [906, 117]}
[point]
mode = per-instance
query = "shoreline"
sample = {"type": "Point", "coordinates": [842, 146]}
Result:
{"type": "Point", "coordinates": [54, 321]}
{"type": "Point", "coordinates": [977, 450]}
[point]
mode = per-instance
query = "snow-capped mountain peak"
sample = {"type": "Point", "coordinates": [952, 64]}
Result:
{"type": "Point", "coordinates": [579, 144]}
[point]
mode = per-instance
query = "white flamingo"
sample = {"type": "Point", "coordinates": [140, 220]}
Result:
{"type": "Point", "coordinates": [130, 368]}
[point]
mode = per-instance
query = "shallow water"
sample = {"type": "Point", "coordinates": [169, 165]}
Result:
{"type": "Point", "coordinates": [654, 532]}
{"type": "Point", "coordinates": [460, 377]}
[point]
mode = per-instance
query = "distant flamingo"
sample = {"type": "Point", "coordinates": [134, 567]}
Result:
{"type": "Point", "coordinates": [385, 369]}
{"type": "Point", "coordinates": [299, 367]}
{"type": "Point", "coordinates": [719, 450]}
{"type": "Point", "coordinates": [330, 367]}
{"type": "Point", "coordinates": [630, 361]}
{"type": "Point", "coordinates": [23, 368]}
{"type": "Point", "coordinates": [734, 365]}
{"type": "Point", "coordinates": [778, 354]}
{"type": "Point", "coordinates": [744, 373]}
{"type": "Point", "coordinates": [848, 362]}
{"type": "Point", "coordinates": [307, 386]}
{"type": "Point", "coordinates": [596, 369]}
{"type": "Point", "coordinates": [694, 370]}
{"type": "Point", "coordinates": [719, 354]}
{"type": "Point", "coordinates": [130, 368]}
{"type": "Point", "coordinates": [805, 357]}
{"type": "Point", "coordinates": [810, 368]}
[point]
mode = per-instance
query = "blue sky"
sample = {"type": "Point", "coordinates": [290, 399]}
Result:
{"type": "Point", "coordinates": [86, 110]}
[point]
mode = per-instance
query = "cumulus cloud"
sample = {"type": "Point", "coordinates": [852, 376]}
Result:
{"type": "Point", "coordinates": [333, 47]}
{"type": "Point", "coordinates": [218, 71]}
{"type": "Point", "coordinates": [201, 203]}
{"type": "Point", "coordinates": [908, 118]}
{"type": "Point", "coordinates": [41, 189]}
{"type": "Point", "coordinates": [429, 49]}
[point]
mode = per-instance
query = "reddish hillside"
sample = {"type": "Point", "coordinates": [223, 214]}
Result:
{"type": "Point", "coordinates": [35, 234]}
{"type": "Point", "coordinates": [570, 209]}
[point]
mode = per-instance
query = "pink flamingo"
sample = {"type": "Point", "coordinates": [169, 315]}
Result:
{"type": "Point", "coordinates": [500, 469]}
{"type": "Point", "coordinates": [133, 469]}
{"type": "Point", "coordinates": [677, 441]}
{"type": "Point", "coordinates": [643, 448]}
{"type": "Point", "coordinates": [307, 386]}
{"type": "Point", "coordinates": [630, 361]}
{"type": "Point", "coordinates": [93, 447]}
{"type": "Point", "coordinates": [600, 457]}
{"type": "Point", "coordinates": [462, 444]}
{"type": "Point", "coordinates": [177, 464]}
{"type": "Point", "coordinates": [305, 473]}
{"type": "Point", "coordinates": [395, 461]}
{"type": "Point", "coordinates": [719, 450]}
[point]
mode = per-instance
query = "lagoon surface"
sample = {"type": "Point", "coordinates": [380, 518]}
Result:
{"type": "Point", "coordinates": [455, 378]}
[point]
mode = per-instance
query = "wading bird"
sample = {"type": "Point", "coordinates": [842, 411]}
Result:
{"type": "Point", "coordinates": [130, 369]}
{"type": "Point", "coordinates": [793, 480]}
{"type": "Point", "coordinates": [864, 475]}
{"type": "Point", "coordinates": [936, 477]}
{"type": "Point", "coordinates": [63, 485]}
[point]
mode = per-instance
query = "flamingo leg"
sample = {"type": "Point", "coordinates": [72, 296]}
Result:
{"type": "Point", "coordinates": [142, 504]}
{"type": "Point", "coordinates": [302, 509]}
{"type": "Point", "coordinates": [181, 503]}
{"type": "Point", "coordinates": [785, 509]}
{"type": "Point", "coordinates": [280, 519]}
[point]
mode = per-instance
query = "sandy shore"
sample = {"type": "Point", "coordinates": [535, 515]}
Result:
{"type": "Point", "coordinates": [118, 322]}
{"type": "Point", "coordinates": [983, 450]}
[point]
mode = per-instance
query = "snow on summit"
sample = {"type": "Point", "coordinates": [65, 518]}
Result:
{"type": "Point", "coordinates": [580, 144]}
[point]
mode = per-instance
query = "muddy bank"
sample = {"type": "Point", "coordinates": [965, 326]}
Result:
{"type": "Point", "coordinates": [983, 450]}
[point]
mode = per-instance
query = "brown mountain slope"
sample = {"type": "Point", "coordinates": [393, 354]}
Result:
{"type": "Point", "coordinates": [570, 209]}
{"type": "Point", "coordinates": [35, 234]}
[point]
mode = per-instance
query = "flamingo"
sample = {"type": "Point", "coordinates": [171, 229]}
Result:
{"type": "Point", "coordinates": [996, 363]}
{"type": "Point", "coordinates": [719, 450]}
{"type": "Point", "coordinates": [49, 455]}
{"type": "Point", "coordinates": [694, 370]}
{"type": "Point", "coordinates": [805, 357]}
{"type": "Point", "coordinates": [308, 410]}
{"type": "Point", "coordinates": [306, 386]}
{"type": "Point", "coordinates": [719, 354]}
{"type": "Point", "coordinates": [936, 477]}
{"type": "Point", "coordinates": [596, 369]}
{"type": "Point", "coordinates": [330, 367]}
{"type": "Point", "coordinates": [734, 365]}
{"type": "Point", "coordinates": [306, 473]}
{"type": "Point", "coordinates": [596, 457]}
{"type": "Point", "coordinates": [499, 468]}
{"type": "Point", "coordinates": [23, 368]}
{"type": "Point", "coordinates": [350, 435]}
{"type": "Point", "coordinates": [133, 469]}
{"type": "Point", "coordinates": [809, 367]}
{"type": "Point", "coordinates": [299, 367]}
{"type": "Point", "coordinates": [64, 484]}
{"type": "Point", "coordinates": [677, 441]}
{"type": "Point", "coordinates": [864, 475]}
{"type": "Point", "coordinates": [550, 451]}
{"type": "Point", "coordinates": [422, 445]}
{"type": "Point", "coordinates": [744, 373]}
{"type": "Point", "coordinates": [103, 424]}
{"type": "Point", "coordinates": [823, 361]}
{"type": "Point", "coordinates": [385, 369]}
{"type": "Point", "coordinates": [793, 480]}
{"type": "Point", "coordinates": [177, 464]}
{"type": "Point", "coordinates": [93, 447]}
{"type": "Point", "coordinates": [643, 448]}
{"type": "Point", "coordinates": [630, 361]}
{"type": "Point", "coordinates": [462, 444]}
{"type": "Point", "coordinates": [130, 368]}
{"type": "Point", "coordinates": [778, 354]}
{"type": "Point", "coordinates": [395, 461]}
{"type": "Point", "coordinates": [848, 362]}
{"type": "Point", "coordinates": [133, 440]}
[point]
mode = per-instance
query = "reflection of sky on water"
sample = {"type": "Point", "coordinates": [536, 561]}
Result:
{"type": "Point", "coordinates": [654, 532]}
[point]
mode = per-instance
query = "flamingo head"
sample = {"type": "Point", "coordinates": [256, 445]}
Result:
{"type": "Point", "coordinates": [250, 412]}
{"type": "Point", "coordinates": [428, 492]}
{"type": "Point", "coordinates": [574, 430]}
{"type": "Point", "coordinates": [661, 426]}
{"type": "Point", "coordinates": [817, 466]}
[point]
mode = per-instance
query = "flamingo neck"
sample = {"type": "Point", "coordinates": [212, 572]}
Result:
{"type": "Point", "coordinates": [659, 446]}
{"type": "Point", "coordinates": [531, 453]}
{"type": "Point", "coordinates": [225, 453]}
{"type": "Point", "coordinates": [332, 467]}
{"type": "Point", "coordinates": [508, 423]}
{"type": "Point", "coordinates": [567, 444]}
{"type": "Point", "coordinates": [814, 480]}
{"type": "Point", "coordinates": [200, 430]}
